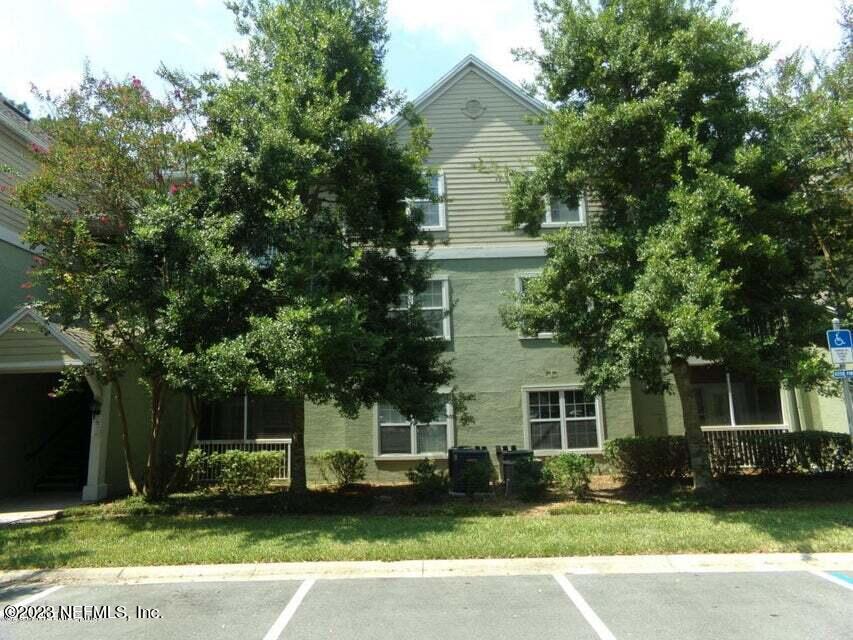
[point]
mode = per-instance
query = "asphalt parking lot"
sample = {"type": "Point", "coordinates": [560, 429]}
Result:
{"type": "Point", "coordinates": [663, 606]}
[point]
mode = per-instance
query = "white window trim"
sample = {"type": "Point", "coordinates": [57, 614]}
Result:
{"type": "Point", "coordinates": [413, 435]}
{"type": "Point", "coordinates": [732, 426]}
{"type": "Point", "coordinates": [519, 278]}
{"type": "Point", "coordinates": [442, 205]}
{"type": "Point", "coordinates": [549, 224]}
{"type": "Point", "coordinates": [599, 420]}
{"type": "Point", "coordinates": [446, 325]}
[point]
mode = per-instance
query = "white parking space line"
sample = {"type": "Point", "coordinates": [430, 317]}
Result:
{"type": "Point", "coordinates": [586, 611]}
{"type": "Point", "coordinates": [38, 596]}
{"type": "Point", "coordinates": [34, 598]}
{"type": "Point", "coordinates": [278, 627]}
{"type": "Point", "coordinates": [834, 579]}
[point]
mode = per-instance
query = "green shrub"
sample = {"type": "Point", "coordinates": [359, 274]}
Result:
{"type": "Point", "coordinates": [570, 473]}
{"type": "Point", "coordinates": [429, 483]}
{"type": "Point", "coordinates": [818, 452]}
{"type": "Point", "coordinates": [341, 467]}
{"type": "Point", "coordinates": [477, 476]}
{"type": "Point", "coordinates": [649, 462]}
{"type": "Point", "coordinates": [244, 472]}
{"type": "Point", "coordinates": [189, 477]}
{"type": "Point", "coordinates": [529, 481]}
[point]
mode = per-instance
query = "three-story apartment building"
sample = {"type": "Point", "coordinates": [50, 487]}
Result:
{"type": "Point", "coordinates": [526, 390]}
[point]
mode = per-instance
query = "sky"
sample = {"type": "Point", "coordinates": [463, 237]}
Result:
{"type": "Point", "coordinates": [45, 42]}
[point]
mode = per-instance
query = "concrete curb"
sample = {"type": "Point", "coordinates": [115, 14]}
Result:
{"type": "Point", "coordinates": [693, 563]}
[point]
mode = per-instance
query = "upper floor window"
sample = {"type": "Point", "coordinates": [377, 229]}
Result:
{"type": "Point", "coordinates": [559, 214]}
{"type": "Point", "coordinates": [434, 305]}
{"type": "Point", "coordinates": [521, 281]}
{"type": "Point", "coordinates": [433, 210]}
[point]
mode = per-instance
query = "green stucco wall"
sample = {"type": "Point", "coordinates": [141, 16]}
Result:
{"type": "Point", "coordinates": [490, 361]}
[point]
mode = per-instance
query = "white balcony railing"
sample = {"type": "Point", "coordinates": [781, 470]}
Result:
{"type": "Point", "coordinates": [266, 444]}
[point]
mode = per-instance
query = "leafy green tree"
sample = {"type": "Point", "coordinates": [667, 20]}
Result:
{"type": "Point", "coordinates": [808, 109]}
{"type": "Point", "coordinates": [313, 187]}
{"type": "Point", "coordinates": [697, 252]}
{"type": "Point", "coordinates": [111, 205]}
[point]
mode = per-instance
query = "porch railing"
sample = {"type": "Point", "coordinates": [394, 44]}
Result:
{"type": "Point", "coordinates": [267, 444]}
{"type": "Point", "coordinates": [744, 446]}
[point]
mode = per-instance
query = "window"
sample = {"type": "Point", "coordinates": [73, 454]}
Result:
{"type": "Point", "coordinates": [247, 417]}
{"type": "Point", "coordinates": [559, 419]}
{"type": "Point", "coordinates": [400, 436]}
{"type": "Point", "coordinates": [560, 214]}
{"type": "Point", "coordinates": [434, 304]}
{"type": "Point", "coordinates": [432, 209]}
{"type": "Point", "coordinates": [727, 399]}
{"type": "Point", "coordinates": [520, 283]}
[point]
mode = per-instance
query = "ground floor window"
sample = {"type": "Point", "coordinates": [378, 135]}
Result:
{"type": "Point", "coordinates": [728, 399]}
{"type": "Point", "coordinates": [247, 417]}
{"type": "Point", "coordinates": [399, 435]}
{"type": "Point", "coordinates": [562, 419]}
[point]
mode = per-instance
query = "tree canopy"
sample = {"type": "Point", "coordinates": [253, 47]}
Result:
{"type": "Point", "coordinates": [296, 158]}
{"type": "Point", "coordinates": [697, 250]}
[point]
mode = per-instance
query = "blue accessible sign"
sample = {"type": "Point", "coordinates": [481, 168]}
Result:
{"type": "Point", "coordinates": [840, 343]}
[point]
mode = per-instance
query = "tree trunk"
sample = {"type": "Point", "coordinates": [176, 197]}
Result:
{"type": "Point", "coordinates": [700, 464]}
{"type": "Point", "coordinates": [132, 480]}
{"type": "Point", "coordinates": [298, 479]}
{"type": "Point", "coordinates": [153, 487]}
{"type": "Point", "coordinates": [193, 410]}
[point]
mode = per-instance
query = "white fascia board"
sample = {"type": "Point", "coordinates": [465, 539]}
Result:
{"type": "Point", "coordinates": [448, 79]}
{"type": "Point", "coordinates": [22, 133]}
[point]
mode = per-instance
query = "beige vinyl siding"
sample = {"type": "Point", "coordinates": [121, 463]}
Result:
{"type": "Point", "coordinates": [29, 342]}
{"type": "Point", "coordinates": [15, 153]}
{"type": "Point", "coordinates": [502, 134]}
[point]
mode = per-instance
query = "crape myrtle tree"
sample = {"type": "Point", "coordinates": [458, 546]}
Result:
{"type": "Point", "coordinates": [122, 254]}
{"type": "Point", "coordinates": [697, 251]}
{"type": "Point", "coordinates": [314, 186]}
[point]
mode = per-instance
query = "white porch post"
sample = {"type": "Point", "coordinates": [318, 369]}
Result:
{"type": "Point", "coordinates": [96, 486]}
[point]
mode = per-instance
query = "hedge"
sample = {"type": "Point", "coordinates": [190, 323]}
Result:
{"type": "Point", "coordinates": [651, 461]}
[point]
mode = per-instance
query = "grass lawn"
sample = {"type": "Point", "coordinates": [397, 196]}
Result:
{"type": "Point", "coordinates": [204, 529]}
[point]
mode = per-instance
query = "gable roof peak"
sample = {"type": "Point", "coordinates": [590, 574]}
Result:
{"type": "Point", "coordinates": [473, 62]}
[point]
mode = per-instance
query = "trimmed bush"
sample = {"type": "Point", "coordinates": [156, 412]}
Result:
{"type": "Point", "coordinates": [649, 461]}
{"type": "Point", "coordinates": [428, 482]}
{"type": "Point", "coordinates": [245, 472]}
{"type": "Point", "coordinates": [529, 481]}
{"type": "Point", "coordinates": [818, 452]}
{"type": "Point", "coordinates": [342, 467]}
{"type": "Point", "coordinates": [570, 473]}
{"type": "Point", "coordinates": [193, 470]}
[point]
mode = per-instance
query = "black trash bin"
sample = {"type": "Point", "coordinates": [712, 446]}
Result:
{"type": "Point", "coordinates": [507, 462]}
{"type": "Point", "coordinates": [458, 459]}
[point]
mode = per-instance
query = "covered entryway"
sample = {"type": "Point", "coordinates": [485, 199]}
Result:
{"type": "Point", "coordinates": [50, 447]}
{"type": "Point", "coordinates": [44, 439]}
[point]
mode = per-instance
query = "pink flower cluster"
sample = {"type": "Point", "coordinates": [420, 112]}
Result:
{"type": "Point", "coordinates": [37, 148]}
{"type": "Point", "coordinates": [175, 187]}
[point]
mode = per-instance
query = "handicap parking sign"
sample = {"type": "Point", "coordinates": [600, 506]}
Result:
{"type": "Point", "coordinates": [840, 343]}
